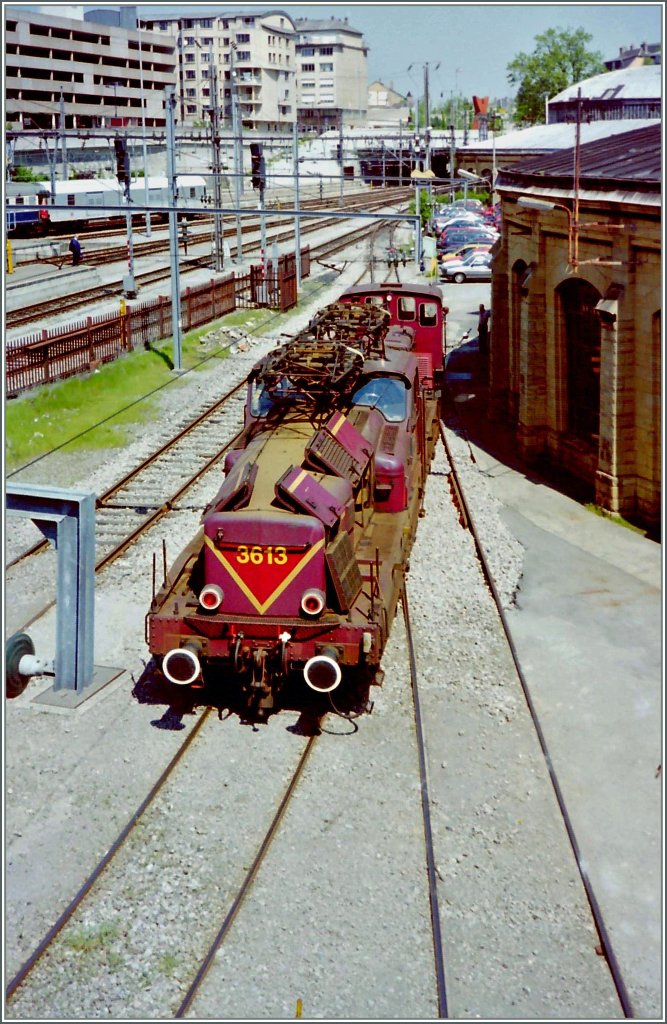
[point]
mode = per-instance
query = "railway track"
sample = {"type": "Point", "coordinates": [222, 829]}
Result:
{"type": "Point", "coordinates": [151, 490]}
{"type": "Point", "coordinates": [467, 520]}
{"type": "Point", "coordinates": [49, 965]}
{"type": "Point", "coordinates": [148, 492]}
{"type": "Point", "coordinates": [199, 959]}
{"type": "Point", "coordinates": [37, 311]}
{"type": "Point", "coordinates": [198, 234]}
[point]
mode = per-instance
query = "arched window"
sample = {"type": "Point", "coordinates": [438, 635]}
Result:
{"type": "Point", "coordinates": [581, 340]}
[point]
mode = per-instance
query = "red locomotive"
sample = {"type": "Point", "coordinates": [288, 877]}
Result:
{"type": "Point", "coordinates": [300, 560]}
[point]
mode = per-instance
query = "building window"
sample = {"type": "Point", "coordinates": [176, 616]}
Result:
{"type": "Point", "coordinates": [326, 51]}
{"type": "Point", "coordinates": [191, 109]}
{"type": "Point", "coordinates": [242, 37]}
{"type": "Point", "coordinates": [206, 23]}
{"type": "Point", "coordinates": [190, 74]}
{"type": "Point", "coordinates": [190, 92]}
{"type": "Point", "coordinates": [308, 51]}
{"type": "Point", "coordinates": [164, 26]}
{"type": "Point", "coordinates": [307, 67]}
{"type": "Point", "coordinates": [206, 57]}
{"type": "Point", "coordinates": [326, 67]}
{"type": "Point", "coordinates": [207, 40]}
{"type": "Point", "coordinates": [307, 85]}
{"type": "Point", "coordinates": [243, 55]}
{"type": "Point", "coordinates": [248, 21]}
{"type": "Point", "coordinates": [189, 58]}
{"type": "Point", "coordinates": [189, 40]}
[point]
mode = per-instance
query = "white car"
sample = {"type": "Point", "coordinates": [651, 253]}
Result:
{"type": "Point", "coordinates": [475, 267]}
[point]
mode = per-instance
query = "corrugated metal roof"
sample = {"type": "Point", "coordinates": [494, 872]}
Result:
{"type": "Point", "coordinates": [633, 157]}
{"type": "Point", "coordinates": [548, 137]}
{"type": "Point", "coordinates": [644, 82]}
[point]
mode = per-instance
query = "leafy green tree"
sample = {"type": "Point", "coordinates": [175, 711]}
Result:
{"type": "Point", "coordinates": [559, 59]}
{"type": "Point", "coordinates": [21, 173]}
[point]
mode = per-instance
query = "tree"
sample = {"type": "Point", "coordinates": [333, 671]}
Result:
{"type": "Point", "coordinates": [559, 59]}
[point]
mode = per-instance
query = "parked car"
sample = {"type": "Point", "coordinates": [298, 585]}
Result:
{"type": "Point", "coordinates": [458, 218]}
{"type": "Point", "coordinates": [465, 250]}
{"type": "Point", "coordinates": [463, 219]}
{"type": "Point", "coordinates": [476, 205]}
{"type": "Point", "coordinates": [454, 239]}
{"type": "Point", "coordinates": [475, 267]}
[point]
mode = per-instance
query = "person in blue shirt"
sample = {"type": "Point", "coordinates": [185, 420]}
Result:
{"type": "Point", "coordinates": [76, 250]}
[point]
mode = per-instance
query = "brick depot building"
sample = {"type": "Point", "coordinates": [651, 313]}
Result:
{"type": "Point", "coordinates": [575, 363]}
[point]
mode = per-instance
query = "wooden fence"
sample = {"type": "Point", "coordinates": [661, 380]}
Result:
{"type": "Point", "coordinates": [80, 347]}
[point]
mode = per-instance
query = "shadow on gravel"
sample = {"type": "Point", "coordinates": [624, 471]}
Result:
{"type": "Point", "coordinates": [351, 702]}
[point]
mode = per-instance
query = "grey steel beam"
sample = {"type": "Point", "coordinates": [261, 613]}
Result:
{"type": "Point", "coordinates": [67, 519]}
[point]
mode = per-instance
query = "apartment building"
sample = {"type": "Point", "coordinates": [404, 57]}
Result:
{"type": "Point", "coordinates": [332, 80]}
{"type": "Point", "coordinates": [98, 70]}
{"type": "Point", "coordinates": [252, 53]}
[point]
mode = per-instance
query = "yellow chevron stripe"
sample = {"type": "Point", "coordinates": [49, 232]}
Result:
{"type": "Point", "coordinates": [261, 608]}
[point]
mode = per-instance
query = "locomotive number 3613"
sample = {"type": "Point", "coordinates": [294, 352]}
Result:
{"type": "Point", "coordinates": [257, 555]}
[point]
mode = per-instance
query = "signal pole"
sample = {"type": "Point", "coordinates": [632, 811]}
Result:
{"type": "Point", "coordinates": [340, 150]}
{"type": "Point", "coordinates": [170, 105]}
{"type": "Point", "coordinates": [63, 135]}
{"type": "Point", "coordinates": [216, 167]}
{"type": "Point", "coordinates": [123, 175]}
{"type": "Point", "coordinates": [297, 220]}
{"type": "Point", "coordinates": [238, 154]}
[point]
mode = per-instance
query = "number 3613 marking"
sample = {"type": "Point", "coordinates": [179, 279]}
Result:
{"type": "Point", "coordinates": [257, 555]}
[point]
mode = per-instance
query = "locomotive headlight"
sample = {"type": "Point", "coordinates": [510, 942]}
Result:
{"type": "Point", "coordinates": [313, 602]}
{"type": "Point", "coordinates": [211, 597]}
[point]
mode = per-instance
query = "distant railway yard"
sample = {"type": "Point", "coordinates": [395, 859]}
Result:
{"type": "Point", "coordinates": [421, 852]}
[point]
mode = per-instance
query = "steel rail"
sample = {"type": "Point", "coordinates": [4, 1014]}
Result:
{"type": "Point", "coordinates": [438, 952]}
{"type": "Point", "coordinates": [247, 881]}
{"type": "Point", "coordinates": [69, 910]}
{"type": "Point", "coordinates": [166, 505]}
{"type": "Point", "coordinates": [133, 473]}
{"type": "Point", "coordinates": [18, 317]}
{"type": "Point", "coordinates": [598, 920]}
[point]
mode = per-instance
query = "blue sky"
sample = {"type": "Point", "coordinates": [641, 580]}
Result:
{"type": "Point", "coordinates": [478, 39]}
{"type": "Point", "coordinates": [474, 43]}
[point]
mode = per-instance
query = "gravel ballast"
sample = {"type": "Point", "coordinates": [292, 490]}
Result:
{"type": "Point", "coordinates": [339, 916]}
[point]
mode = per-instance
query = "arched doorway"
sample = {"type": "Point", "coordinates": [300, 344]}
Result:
{"type": "Point", "coordinates": [515, 333]}
{"type": "Point", "coordinates": [580, 350]}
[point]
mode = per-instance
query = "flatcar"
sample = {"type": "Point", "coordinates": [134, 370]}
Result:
{"type": "Point", "coordinates": [293, 580]}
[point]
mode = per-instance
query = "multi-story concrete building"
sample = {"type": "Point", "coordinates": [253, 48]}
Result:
{"type": "Point", "coordinates": [332, 79]}
{"type": "Point", "coordinates": [251, 52]}
{"type": "Point", "coordinates": [98, 70]}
